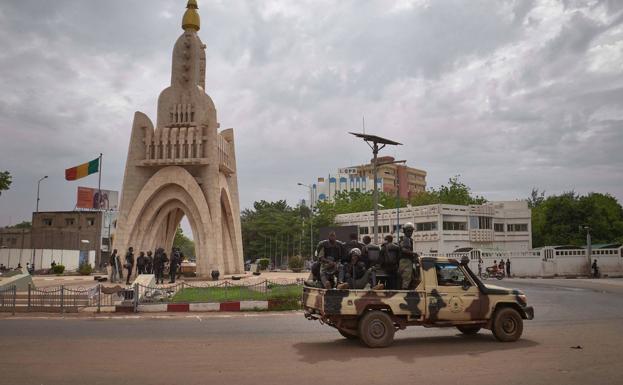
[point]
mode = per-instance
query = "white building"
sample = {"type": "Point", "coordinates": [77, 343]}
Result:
{"type": "Point", "coordinates": [445, 228]}
{"type": "Point", "coordinates": [346, 179]}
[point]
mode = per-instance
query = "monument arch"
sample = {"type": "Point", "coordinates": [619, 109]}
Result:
{"type": "Point", "coordinates": [183, 167]}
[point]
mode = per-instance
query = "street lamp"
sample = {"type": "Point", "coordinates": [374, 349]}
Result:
{"type": "Point", "coordinates": [38, 187]}
{"type": "Point", "coordinates": [311, 210]}
{"type": "Point", "coordinates": [373, 141]}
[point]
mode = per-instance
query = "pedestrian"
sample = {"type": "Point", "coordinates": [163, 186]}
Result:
{"type": "Point", "coordinates": [129, 263]}
{"type": "Point", "coordinates": [141, 262]}
{"type": "Point", "coordinates": [595, 269]}
{"type": "Point", "coordinates": [479, 267]}
{"type": "Point", "coordinates": [114, 269]}
{"type": "Point", "coordinates": [174, 263]}
{"type": "Point", "coordinates": [508, 267]}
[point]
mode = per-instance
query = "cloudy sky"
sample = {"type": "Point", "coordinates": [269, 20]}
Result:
{"type": "Point", "coordinates": [509, 94]}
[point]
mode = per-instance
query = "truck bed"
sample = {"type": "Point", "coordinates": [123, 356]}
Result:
{"type": "Point", "coordinates": [354, 302]}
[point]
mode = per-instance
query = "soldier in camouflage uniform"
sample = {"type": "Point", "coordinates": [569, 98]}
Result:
{"type": "Point", "coordinates": [407, 256]}
{"type": "Point", "coordinates": [329, 255]}
{"type": "Point", "coordinates": [389, 263]}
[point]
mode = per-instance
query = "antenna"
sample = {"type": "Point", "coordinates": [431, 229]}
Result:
{"type": "Point", "coordinates": [363, 122]}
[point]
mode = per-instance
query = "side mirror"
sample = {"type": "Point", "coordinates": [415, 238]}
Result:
{"type": "Point", "coordinates": [466, 284]}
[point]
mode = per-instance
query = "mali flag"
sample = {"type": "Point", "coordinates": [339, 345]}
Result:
{"type": "Point", "coordinates": [83, 170]}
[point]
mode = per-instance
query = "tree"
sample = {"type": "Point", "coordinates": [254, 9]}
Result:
{"type": "Point", "coordinates": [454, 193]}
{"type": "Point", "coordinates": [271, 229]}
{"type": "Point", "coordinates": [22, 225]}
{"type": "Point", "coordinates": [535, 198]}
{"type": "Point", "coordinates": [558, 219]}
{"type": "Point", "coordinates": [185, 244]}
{"type": "Point", "coordinates": [5, 181]}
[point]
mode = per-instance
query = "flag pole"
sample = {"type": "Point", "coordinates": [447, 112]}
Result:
{"type": "Point", "coordinates": [99, 184]}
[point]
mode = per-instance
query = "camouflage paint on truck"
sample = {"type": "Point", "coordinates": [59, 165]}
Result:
{"type": "Point", "coordinates": [431, 303]}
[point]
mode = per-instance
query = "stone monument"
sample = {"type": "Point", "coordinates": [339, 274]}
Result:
{"type": "Point", "coordinates": [183, 166]}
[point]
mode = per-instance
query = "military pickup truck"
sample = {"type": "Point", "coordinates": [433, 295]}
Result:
{"type": "Point", "coordinates": [447, 294]}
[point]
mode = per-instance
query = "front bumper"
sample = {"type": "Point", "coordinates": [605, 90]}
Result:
{"type": "Point", "coordinates": [528, 312]}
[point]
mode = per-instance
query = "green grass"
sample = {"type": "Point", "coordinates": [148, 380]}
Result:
{"type": "Point", "coordinates": [286, 293]}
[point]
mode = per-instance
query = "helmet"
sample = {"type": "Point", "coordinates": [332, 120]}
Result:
{"type": "Point", "coordinates": [356, 252]}
{"type": "Point", "coordinates": [407, 226]}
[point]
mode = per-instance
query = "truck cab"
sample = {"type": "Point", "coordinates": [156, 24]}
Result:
{"type": "Point", "coordinates": [446, 294]}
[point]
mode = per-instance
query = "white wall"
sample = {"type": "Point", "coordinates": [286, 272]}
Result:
{"type": "Point", "coordinates": [43, 258]}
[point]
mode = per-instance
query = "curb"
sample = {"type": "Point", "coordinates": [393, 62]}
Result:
{"type": "Point", "coordinates": [206, 307]}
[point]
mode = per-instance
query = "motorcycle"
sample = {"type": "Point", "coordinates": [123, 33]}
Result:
{"type": "Point", "coordinates": [493, 273]}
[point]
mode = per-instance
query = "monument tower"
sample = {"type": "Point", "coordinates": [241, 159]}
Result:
{"type": "Point", "coordinates": [184, 166]}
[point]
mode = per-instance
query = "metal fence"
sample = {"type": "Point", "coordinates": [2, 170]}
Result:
{"type": "Point", "coordinates": [61, 299]}
{"type": "Point", "coordinates": [7, 299]}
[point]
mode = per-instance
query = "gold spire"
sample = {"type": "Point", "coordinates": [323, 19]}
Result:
{"type": "Point", "coordinates": [191, 17]}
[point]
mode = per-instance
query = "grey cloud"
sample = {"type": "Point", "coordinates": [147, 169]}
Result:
{"type": "Point", "coordinates": [501, 92]}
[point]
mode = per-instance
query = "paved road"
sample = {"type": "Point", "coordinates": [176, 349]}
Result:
{"type": "Point", "coordinates": [263, 348]}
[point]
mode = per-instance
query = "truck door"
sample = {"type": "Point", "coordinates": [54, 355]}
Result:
{"type": "Point", "coordinates": [455, 297]}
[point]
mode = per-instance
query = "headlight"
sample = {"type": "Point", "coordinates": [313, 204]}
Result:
{"type": "Point", "coordinates": [522, 298]}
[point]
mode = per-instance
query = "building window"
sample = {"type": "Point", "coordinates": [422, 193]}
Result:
{"type": "Point", "coordinates": [70, 221]}
{"type": "Point", "coordinates": [90, 221]}
{"type": "Point", "coordinates": [482, 223]}
{"type": "Point", "coordinates": [426, 226]}
{"type": "Point", "coordinates": [516, 227]}
{"type": "Point", "coordinates": [459, 226]}
{"type": "Point", "coordinates": [47, 221]}
{"type": "Point", "coordinates": [498, 227]}
{"type": "Point", "coordinates": [364, 230]}
{"type": "Point", "coordinates": [384, 229]}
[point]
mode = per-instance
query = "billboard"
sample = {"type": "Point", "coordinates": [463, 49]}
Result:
{"type": "Point", "coordinates": [90, 198]}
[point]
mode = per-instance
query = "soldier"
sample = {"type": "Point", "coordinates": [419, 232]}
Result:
{"type": "Point", "coordinates": [329, 254]}
{"type": "Point", "coordinates": [407, 257]}
{"type": "Point", "coordinates": [140, 263]}
{"type": "Point", "coordinates": [150, 263]}
{"type": "Point", "coordinates": [175, 261]}
{"type": "Point", "coordinates": [355, 274]}
{"type": "Point", "coordinates": [389, 261]}
{"type": "Point", "coordinates": [129, 263]}
{"type": "Point", "coordinates": [353, 243]}
{"type": "Point", "coordinates": [159, 260]}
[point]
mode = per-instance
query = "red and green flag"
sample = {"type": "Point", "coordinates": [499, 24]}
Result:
{"type": "Point", "coordinates": [83, 170]}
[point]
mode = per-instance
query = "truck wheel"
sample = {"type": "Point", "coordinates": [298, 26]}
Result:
{"type": "Point", "coordinates": [376, 329]}
{"type": "Point", "coordinates": [468, 329]}
{"type": "Point", "coordinates": [348, 335]}
{"type": "Point", "coordinates": [507, 325]}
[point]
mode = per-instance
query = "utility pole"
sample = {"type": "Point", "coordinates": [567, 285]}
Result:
{"type": "Point", "coordinates": [373, 141]}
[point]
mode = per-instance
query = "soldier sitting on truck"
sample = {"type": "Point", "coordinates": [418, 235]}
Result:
{"type": "Point", "coordinates": [356, 275]}
{"type": "Point", "coordinates": [329, 254]}
{"type": "Point", "coordinates": [353, 243]}
{"type": "Point", "coordinates": [389, 262]}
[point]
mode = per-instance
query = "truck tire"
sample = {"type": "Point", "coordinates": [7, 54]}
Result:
{"type": "Point", "coordinates": [348, 335]}
{"type": "Point", "coordinates": [469, 329]}
{"type": "Point", "coordinates": [507, 325]}
{"type": "Point", "coordinates": [376, 329]}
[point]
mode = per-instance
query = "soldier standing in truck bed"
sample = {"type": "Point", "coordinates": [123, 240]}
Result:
{"type": "Point", "coordinates": [407, 256]}
{"type": "Point", "coordinates": [389, 263]}
{"type": "Point", "coordinates": [329, 255]}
